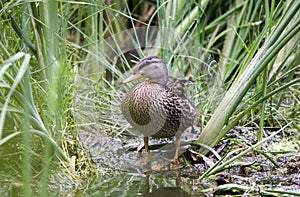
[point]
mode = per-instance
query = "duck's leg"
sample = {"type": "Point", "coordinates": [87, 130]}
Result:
{"type": "Point", "coordinates": [146, 139]}
{"type": "Point", "coordinates": [146, 143]}
{"type": "Point", "coordinates": [175, 160]}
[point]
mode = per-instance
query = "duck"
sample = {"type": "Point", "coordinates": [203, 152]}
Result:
{"type": "Point", "coordinates": [157, 106]}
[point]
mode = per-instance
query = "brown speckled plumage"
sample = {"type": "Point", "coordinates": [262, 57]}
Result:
{"type": "Point", "coordinates": [157, 107]}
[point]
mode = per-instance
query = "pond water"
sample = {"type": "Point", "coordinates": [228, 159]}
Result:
{"type": "Point", "coordinates": [122, 172]}
{"type": "Point", "coordinates": [126, 174]}
{"type": "Point", "coordinates": [125, 184]}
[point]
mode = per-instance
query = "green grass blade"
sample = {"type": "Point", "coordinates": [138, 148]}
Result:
{"type": "Point", "coordinates": [24, 67]}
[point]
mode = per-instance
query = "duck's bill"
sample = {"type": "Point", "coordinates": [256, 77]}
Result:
{"type": "Point", "coordinates": [133, 77]}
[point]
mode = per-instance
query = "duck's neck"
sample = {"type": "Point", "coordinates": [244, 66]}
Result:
{"type": "Point", "coordinates": [162, 80]}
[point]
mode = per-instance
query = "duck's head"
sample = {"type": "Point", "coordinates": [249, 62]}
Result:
{"type": "Point", "coordinates": [151, 67]}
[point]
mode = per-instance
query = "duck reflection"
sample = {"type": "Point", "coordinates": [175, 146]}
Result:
{"type": "Point", "coordinates": [165, 191]}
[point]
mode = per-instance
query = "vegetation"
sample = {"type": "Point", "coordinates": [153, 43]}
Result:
{"type": "Point", "coordinates": [61, 64]}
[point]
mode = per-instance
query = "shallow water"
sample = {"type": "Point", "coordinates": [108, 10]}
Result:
{"type": "Point", "coordinates": [120, 184]}
{"type": "Point", "coordinates": [128, 177]}
{"type": "Point", "coordinates": [122, 171]}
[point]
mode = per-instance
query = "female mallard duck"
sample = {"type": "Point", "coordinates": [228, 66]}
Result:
{"type": "Point", "coordinates": [157, 107]}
